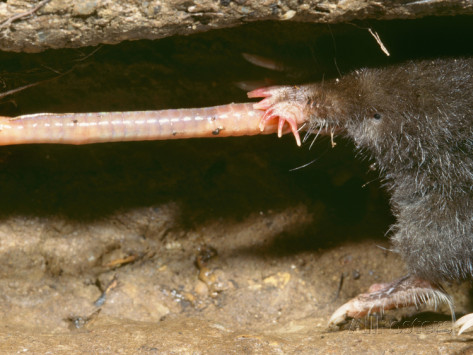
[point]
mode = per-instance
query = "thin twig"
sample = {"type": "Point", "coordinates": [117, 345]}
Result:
{"type": "Point", "coordinates": [380, 43]}
{"type": "Point", "coordinates": [90, 54]}
{"type": "Point", "coordinates": [59, 75]}
{"type": "Point", "coordinates": [21, 88]}
{"type": "Point", "coordinates": [14, 91]}
{"type": "Point", "coordinates": [340, 284]}
{"type": "Point", "coordinates": [376, 37]}
{"type": "Point", "coordinates": [331, 139]}
{"type": "Point", "coordinates": [13, 18]}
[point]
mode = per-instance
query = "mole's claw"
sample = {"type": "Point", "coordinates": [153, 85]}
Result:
{"type": "Point", "coordinates": [341, 315]}
{"type": "Point", "coordinates": [405, 292]}
{"type": "Point", "coordinates": [464, 323]}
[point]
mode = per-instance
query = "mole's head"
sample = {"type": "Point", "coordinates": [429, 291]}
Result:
{"type": "Point", "coordinates": [367, 107]}
{"type": "Point", "coordinates": [413, 118]}
{"type": "Point", "coordinates": [396, 114]}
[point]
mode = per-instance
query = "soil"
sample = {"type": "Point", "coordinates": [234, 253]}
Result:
{"type": "Point", "coordinates": [37, 25]}
{"type": "Point", "coordinates": [203, 245]}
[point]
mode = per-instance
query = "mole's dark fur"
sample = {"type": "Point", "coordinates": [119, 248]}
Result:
{"type": "Point", "coordinates": [416, 120]}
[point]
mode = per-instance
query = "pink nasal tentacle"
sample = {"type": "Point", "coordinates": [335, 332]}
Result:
{"type": "Point", "coordinates": [261, 92]}
{"type": "Point", "coordinates": [82, 128]}
{"type": "Point", "coordinates": [276, 106]}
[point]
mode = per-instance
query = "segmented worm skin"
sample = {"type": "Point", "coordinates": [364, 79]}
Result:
{"type": "Point", "coordinates": [84, 128]}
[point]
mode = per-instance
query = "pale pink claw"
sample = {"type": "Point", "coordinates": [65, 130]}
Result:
{"type": "Point", "coordinates": [405, 292]}
{"type": "Point", "coordinates": [464, 323]}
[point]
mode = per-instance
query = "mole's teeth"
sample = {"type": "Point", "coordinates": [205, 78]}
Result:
{"type": "Point", "coordinates": [464, 323]}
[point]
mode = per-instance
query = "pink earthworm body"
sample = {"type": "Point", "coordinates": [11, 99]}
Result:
{"type": "Point", "coordinates": [264, 117]}
{"type": "Point", "coordinates": [84, 128]}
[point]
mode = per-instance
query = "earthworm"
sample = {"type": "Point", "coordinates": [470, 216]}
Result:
{"type": "Point", "coordinates": [84, 128]}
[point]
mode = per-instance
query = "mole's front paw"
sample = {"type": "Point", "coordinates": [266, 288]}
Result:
{"type": "Point", "coordinates": [405, 292]}
{"type": "Point", "coordinates": [464, 323]}
{"type": "Point", "coordinates": [280, 103]}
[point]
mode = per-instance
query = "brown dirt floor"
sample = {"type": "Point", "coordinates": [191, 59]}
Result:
{"type": "Point", "coordinates": [202, 246]}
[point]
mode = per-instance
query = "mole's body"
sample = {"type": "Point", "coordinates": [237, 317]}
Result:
{"type": "Point", "coordinates": [416, 121]}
